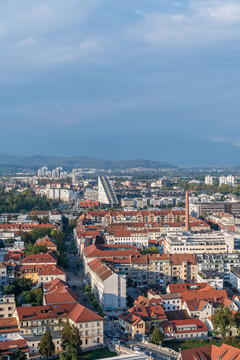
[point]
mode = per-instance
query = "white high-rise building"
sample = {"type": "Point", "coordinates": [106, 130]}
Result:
{"type": "Point", "coordinates": [106, 194]}
{"type": "Point", "coordinates": [227, 180]}
{"type": "Point", "coordinates": [208, 180]}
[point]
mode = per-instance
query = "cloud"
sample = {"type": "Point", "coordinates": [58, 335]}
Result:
{"type": "Point", "coordinates": [202, 22]}
{"type": "Point", "coordinates": [177, 4]}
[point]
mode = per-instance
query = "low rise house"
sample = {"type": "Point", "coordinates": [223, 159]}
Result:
{"type": "Point", "coordinates": [47, 242]}
{"type": "Point", "coordinates": [189, 329]}
{"type": "Point", "coordinates": [132, 325]}
{"type": "Point", "coordinates": [152, 315]}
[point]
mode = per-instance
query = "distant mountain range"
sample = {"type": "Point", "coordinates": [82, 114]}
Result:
{"type": "Point", "coordinates": [14, 163]}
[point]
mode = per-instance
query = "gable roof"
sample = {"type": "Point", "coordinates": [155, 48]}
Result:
{"type": "Point", "coordinates": [102, 270]}
{"type": "Point", "coordinates": [35, 258]}
{"type": "Point", "coordinates": [45, 241]}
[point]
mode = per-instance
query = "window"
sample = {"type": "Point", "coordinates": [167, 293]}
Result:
{"type": "Point", "coordinates": [86, 341]}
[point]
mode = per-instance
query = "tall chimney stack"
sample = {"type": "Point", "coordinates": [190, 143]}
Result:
{"type": "Point", "coordinates": [187, 211]}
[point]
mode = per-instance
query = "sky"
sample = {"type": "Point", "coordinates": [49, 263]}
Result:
{"type": "Point", "coordinates": [155, 79]}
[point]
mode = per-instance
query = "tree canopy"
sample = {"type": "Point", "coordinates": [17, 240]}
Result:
{"type": "Point", "coordinates": [46, 346]}
{"type": "Point", "coordinates": [71, 338]}
{"type": "Point", "coordinates": [157, 337]}
{"type": "Point", "coordinates": [222, 321]}
{"type": "Point", "coordinates": [18, 355]}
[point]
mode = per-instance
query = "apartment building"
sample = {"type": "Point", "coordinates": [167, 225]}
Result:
{"type": "Point", "coordinates": [213, 242]}
{"type": "Point", "coordinates": [39, 259]}
{"type": "Point", "coordinates": [9, 329]}
{"type": "Point", "coordinates": [148, 216]}
{"type": "Point", "coordinates": [213, 278]}
{"type": "Point", "coordinates": [7, 306]}
{"type": "Point", "coordinates": [106, 193]}
{"type": "Point", "coordinates": [234, 278]}
{"type": "Point", "coordinates": [157, 269]}
{"type": "Point", "coordinates": [139, 238]}
{"type": "Point", "coordinates": [50, 272]}
{"type": "Point", "coordinates": [40, 274]}
{"type": "Point", "coordinates": [4, 278]}
{"type": "Point", "coordinates": [108, 286]}
{"type": "Point", "coordinates": [213, 207]}
{"type": "Point", "coordinates": [101, 251]}
{"type": "Point", "coordinates": [221, 263]}
{"type": "Point", "coordinates": [35, 320]}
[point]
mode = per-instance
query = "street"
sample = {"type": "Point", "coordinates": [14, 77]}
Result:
{"type": "Point", "coordinates": [151, 350]}
{"type": "Point", "coordinates": [75, 277]}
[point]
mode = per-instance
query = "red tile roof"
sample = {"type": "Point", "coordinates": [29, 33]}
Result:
{"type": "Point", "coordinates": [102, 270]}
{"type": "Point", "coordinates": [82, 314]}
{"type": "Point", "coordinates": [38, 258]}
{"type": "Point", "coordinates": [105, 251]}
{"type": "Point", "coordinates": [51, 270]}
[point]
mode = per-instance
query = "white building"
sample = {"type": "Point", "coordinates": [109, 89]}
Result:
{"type": "Point", "coordinates": [214, 242]}
{"type": "Point", "coordinates": [106, 194]}
{"type": "Point", "coordinates": [208, 180]}
{"type": "Point", "coordinates": [226, 180]}
{"type": "Point", "coordinates": [213, 278]}
{"type": "Point", "coordinates": [138, 238]}
{"type": "Point", "coordinates": [108, 286]}
{"type": "Point", "coordinates": [234, 278]}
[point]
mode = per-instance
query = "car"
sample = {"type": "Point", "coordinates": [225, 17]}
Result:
{"type": "Point", "coordinates": [136, 348]}
{"type": "Point", "coordinates": [124, 339]}
{"type": "Point", "coordinates": [117, 336]}
{"type": "Point", "coordinates": [85, 299]}
{"type": "Point", "coordinates": [108, 334]}
{"type": "Point", "coordinates": [74, 286]}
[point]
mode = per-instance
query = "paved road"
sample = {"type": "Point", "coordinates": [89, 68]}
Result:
{"type": "Point", "coordinates": [75, 277]}
{"type": "Point", "coordinates": [155, 353]}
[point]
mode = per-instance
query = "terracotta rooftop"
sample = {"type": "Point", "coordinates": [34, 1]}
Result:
{"type": "Point", "coordinates": [102, 270]}
{"type": "Point", "coordinates": [37, 258]}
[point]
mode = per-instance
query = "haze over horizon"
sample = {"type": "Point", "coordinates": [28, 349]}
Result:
{"type": "Point", "coordinates": [157, 80]}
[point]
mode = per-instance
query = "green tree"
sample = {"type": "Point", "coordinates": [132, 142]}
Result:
{"type": "Point", "coordinates": [233, 341]}
{"type": "Point", "coordinates": [46, 346]}
{"type": "Point", "coordinates": [222, 321]}
{"type": "Point", "coordinates": [34, 297]}
{"type": "Point", "coordinates": [71, 337]}
{"type": "Point", "coordinates": [87, 288]}
{"type": "Point", "coordinates": [157, 337]}
{"type": "Point", "coordinates": [151, 250]}
{"type": "Point", "coordinates": [18, 355]}
{"type": "Point", "coordinates": [69, 354]}
{"type": "Point", "coordinates": [18, 286]}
